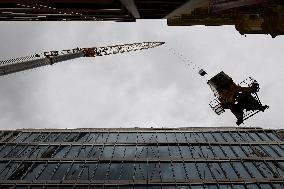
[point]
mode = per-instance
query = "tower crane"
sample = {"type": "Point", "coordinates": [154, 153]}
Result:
{"type": "Point", "coordinates": [49, 58]}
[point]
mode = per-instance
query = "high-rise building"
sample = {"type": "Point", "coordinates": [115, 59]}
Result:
{"type": "Point", "coordinates": [184, 158]}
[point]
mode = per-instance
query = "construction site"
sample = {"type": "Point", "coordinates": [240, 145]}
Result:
{"type": "Point", "coordinates": [42, 153]}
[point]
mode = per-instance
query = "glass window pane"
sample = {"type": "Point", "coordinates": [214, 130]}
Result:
{"type": "Point", "coordinates": [228, 151]}
{"type": "Point", "coordinates": [164, 151]}
{"type": "Point", "coordinates": [5, 151]}
{"type": "Point", "coordinates": [161, 137]}
{"type": "Point", "coordinates": [196, 151]}
{"type": "Point", "coordinates": [61, 171]}
{"type": "Point", "coordinates": [62, 137]}
{"type": "Point", "coordinates": [216, 171]}
{"type": "Point", "coordinates": [190, 137]}
{"type": "Point", "coordinates": [8, 170]}
{"type": "Point", "coordinates": [252, 186]}
{"type": "Point", "coordinates": [229, 171]}
{"type": "Point", "coordinates": [73, 152]}
{"type": "Point", "coordinates": [129, 152]}
{"type": "Point", "coordinates": [204, 171]}
{"type": "Point", "coordinates": [181, 138]}
{"type": "Point", "coordinates": [34, 172]}
{"type": "Point", "coordinates": [207, 152]}
{"type": "Point", "coordinates": [27, 151]}
{"type": "Point", "coordinates": [241, 170]}
{"type": "Point", "coordinates": [101, 171]}
{"type": "Point", "coordinates": [154, 171]}
{"type": "Point", "coordinates": [264, 137]}
{"type": "Point", "coordinates": [114, 171]}
{"type": "Point", "coordinates": [209, 137]}
{"type": "Point", "coordinates": [74, 172]}
{"type": "Point", "coordinates": [249, 151]}
{"type": "Point", "coordinates": [171, 137]}
{"type": "Point", "coordinates": [276, 167]}
{"type": "Point", "coordinates": [264, 169]}
{"type": "Point", "coordinates": [122, 138]}
{"type": "Point", "coordinates": [82, 137]}
{"type": "Point", "coordinates": [246, 136]}
{"type": "Point", "coordinates": [152, 152]}
{"type": "Point", "coordinates": [102, 138]}
{"type": "Point", "coordinates": [127, 171]}
{"type": "Point", "coordinates": [185, 151]}
{"type": "Point", "coordinates": [21, 137]}
{"type": "Point", "coordinates": [62, 151]}
{"type": "Point", "coordinates": [120, 151]}
{"type": "Point", "coordinates": [228, 137]}
{"type": "Point", "coordinates": [39, 152]}
{"type": "Point", "coordinates": [51, 137]}
{"type": "Point", "coordinates": [259, 151]}
{"type": "Point", "coordinates": [279, 150]}
{"type": "Point", "coordinates": [174, 151]}
{"type": "Point", "coordinates": [166, 171]}
{"type": "Point", "coordinates": [72, 137]}
{"type": "Point", "coordinates": [278, 186]}
{"type": "Point", "coordinates": [132, 138]}
{"type": "Point", "coordinates": [47, 172]}
{"type": "Point", "coordinates": [96, 152]}
{"type": "Point", "coordinates": [253, 170]}
{"type": "Point", "coordinates": [147, 138]}
{"type": "Point", "coordinates": [191, 171]}
{"type": "Point", "coordinates": [239, 186]}
{"type": "Point", "coordinates": [40, 137]}
{"type": "Point", "coordinates": [219, 137]}
{"type": "Point", "coordinates": [274, 137]}
{"type": "Point", "coordinates": [239, 151]}
{"type": "Point", "coordinates": [107, 152]}
{"type": "Point", "coordinates": [270, 151]}
{"type": "Point", "coordinates": [218, 152]}
{"type": "Point", "coordinates": [179, 171]}
{"type": "Point", "coordinates": [89, 171]}
{"type": "Point", "coordinates": [85, 151]}
{"type": "Point", "coordinates": [141, 152]}
{"type": "Point", "coordinates": [32, 137]}
{"type": "Point", "coordinates": [237, 137]}
{"type": "Point", "coordinates": [15, 151]}
{"type": "Point", "coordinates": [255, 137]}
{"type": "Point", "coordinates": [113, 137]}
{"type": "Point", "coordinates": [141, 172]}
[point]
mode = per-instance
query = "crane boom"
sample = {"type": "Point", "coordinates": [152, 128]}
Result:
{"type": "Point", "coordinates": [52, 57]}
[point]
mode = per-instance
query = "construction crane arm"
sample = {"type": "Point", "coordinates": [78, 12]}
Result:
{"type": "Point", "coordinates": [52, 57]}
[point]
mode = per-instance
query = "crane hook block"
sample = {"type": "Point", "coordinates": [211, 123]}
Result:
{"type": "Point", "coordinates": [202, 72]}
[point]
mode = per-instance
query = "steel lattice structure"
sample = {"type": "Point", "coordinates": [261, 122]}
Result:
{"type": "Point", "coordinates": [52, 57]}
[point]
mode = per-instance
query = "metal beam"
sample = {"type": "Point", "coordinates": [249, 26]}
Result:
{"type": "Point", "coordinates": [131, 7]}
{"type": "Point", "coordinates": [188, 7]}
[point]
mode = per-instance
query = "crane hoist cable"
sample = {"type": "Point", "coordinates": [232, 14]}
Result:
{"type": "Point", "coordinates": [187, 62]}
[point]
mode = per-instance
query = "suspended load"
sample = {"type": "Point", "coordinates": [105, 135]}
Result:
{"type": "Point", "coordinates": [241, 99]}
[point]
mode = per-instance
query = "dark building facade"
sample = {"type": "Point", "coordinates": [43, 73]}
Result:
{"type": "Point", "coordinates": [248, 16]}
{"type": "Point", "coordinates": [185, 158]}
{"type": "Point", "coordinates": [88, 10]}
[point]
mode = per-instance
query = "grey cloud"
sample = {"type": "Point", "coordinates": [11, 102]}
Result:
{"type": "Point", "coordinates": [146, 88]}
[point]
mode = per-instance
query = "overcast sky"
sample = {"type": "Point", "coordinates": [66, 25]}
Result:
{"type": "Point", "coordinates": [149, 88]}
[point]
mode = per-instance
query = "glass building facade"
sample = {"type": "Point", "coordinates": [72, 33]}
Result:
{"type": "Point", "coordinates": [184, 158]}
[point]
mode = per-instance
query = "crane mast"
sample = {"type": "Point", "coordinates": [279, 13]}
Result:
{"type": "Point", "coordinates": [49, 58]}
